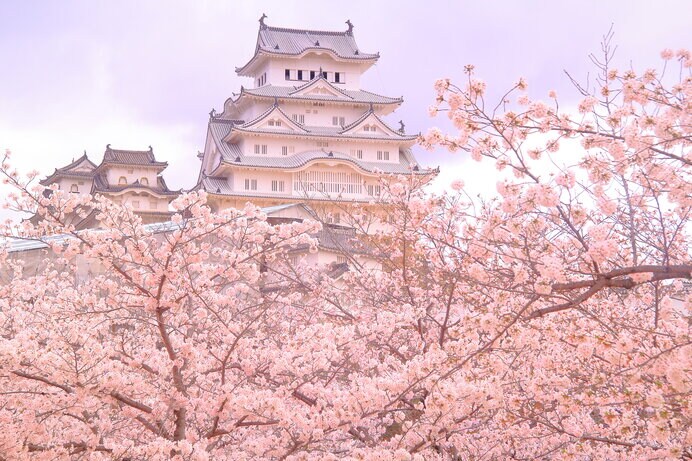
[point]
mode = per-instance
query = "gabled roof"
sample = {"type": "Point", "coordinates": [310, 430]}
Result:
{"type": "Point", "coordinates": [371, 116]}
{"type": "Point", "coordinates": [320, 81]}
{"type": "Point", "coordinates": [80, 168]}
{"type": "Point", "coordinates": [130, 157]}
{"type": "Point", "coordinates": [274, 109]}
{"type": "Point", "coordinates": [282, 41]}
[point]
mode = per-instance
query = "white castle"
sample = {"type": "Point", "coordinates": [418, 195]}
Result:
{"type": "Point", "coordinates": [305, 133]}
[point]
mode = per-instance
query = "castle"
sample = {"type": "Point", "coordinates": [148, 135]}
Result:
{"type": "Point", "coordinates": [304, 133]}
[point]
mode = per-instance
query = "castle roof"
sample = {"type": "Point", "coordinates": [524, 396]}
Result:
{"type": "Point", "coordinates": [292, 92]}
{"type": "Point", "coordinates": [80, 168]}
{"type": "Point", "coordinates": [131, 157]}
{"type": "Point", "coordinates": [282, 41]}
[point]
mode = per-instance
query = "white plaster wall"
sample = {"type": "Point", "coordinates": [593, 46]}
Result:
{"type": "Point", "coordinates": [299, 145]}
{"type": "Point", "coordinates": [264, 179]}
{"type": "Point", "coordinates": [276, 66]}
{"type": "Point", "coordinates": [132, 174]}
{"type": "Point", "coordinates": [84, 184]}
{"type": "Point", "coordinates": [141, 201]}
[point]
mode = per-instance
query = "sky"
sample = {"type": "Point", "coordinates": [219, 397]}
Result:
{"type": "Point", "coordinates": [79, 74]}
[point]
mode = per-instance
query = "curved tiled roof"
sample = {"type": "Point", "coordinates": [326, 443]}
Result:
{"type": "Point", "coordinates": [232, 154]}
{"type": "Point", "coordinates": [294, 42]}
{"type": "Point", "coordinates": [267, 112]}
{"type": "Point", "coordinates": [131, 157]}
{"type": "Point", "coordinates": [68, 171]}
{"type": "Point", "coordinates": [288, 92]}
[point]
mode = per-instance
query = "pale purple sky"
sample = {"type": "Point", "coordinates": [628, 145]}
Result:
{"type": "Point", "coordinates": [77, 75]}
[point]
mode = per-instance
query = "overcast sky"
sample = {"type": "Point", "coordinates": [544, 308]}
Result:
{"type": "Point", "coordinates": [77, 75]}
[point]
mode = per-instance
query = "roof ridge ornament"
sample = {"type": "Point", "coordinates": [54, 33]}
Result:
{"type": "Point", "coordinates": [212, 113]}
{"type": "Point", "coordinates": [261, 21]}
{"type": "Point", "coordinates": [350, 27]}
{"type": "Point", "coordinates": [151, 149]}
{"type": "Point", "coordinates": [402, 127]}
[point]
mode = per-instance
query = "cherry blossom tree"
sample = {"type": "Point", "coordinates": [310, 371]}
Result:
{"type": "Point", "coordinates": [549, 322]}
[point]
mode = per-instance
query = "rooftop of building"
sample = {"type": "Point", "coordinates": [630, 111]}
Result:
{"type": "Point", "coordinates": [80, 168]}
{"type": "Point", "coordinates": [284, 41]}
{"type": "Point", "coordinates": [131, 157]}
{"type": "Point", "coordinates": [343, 95]}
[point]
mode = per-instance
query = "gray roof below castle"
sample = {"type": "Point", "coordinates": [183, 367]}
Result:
{"type": "Point", "coordinates": [352, 96]}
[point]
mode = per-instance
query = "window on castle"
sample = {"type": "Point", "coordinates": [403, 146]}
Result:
{"type": "Point", "coordinates": [144, 181]}
{"type": "Point", "coordinates": [338, 121]}
{"type": "Point", "coordinates": [337, 77]}
{"type": "Point", "coordinates": [324, 75]}
{"type": "Point", "coordinates": [260, 149]}
{"type": "Point", "coordinates": [327, 182]}
{"type": "Point", "coordinates": [122, 180]}
{"type": "Point", "coordinates": [300, 118]}
{"type": "Point", "coordinates": [300, 75]}
{"type": "Point", "coordinates": [271, 122]}
{"type": "Point", "coordinates": [382, 155]}
{"type": "Point", "coordinates": [153, 205]}
{"type": "Point", "coordinates": [277, 186]}
{"type": "Point", "coordinates": [288, 74]}
{"type": "Point", "coordinates": [357, 153]}
{"type": "Point", "coordinates": [312, 74]}
{"type": "Point", "coordinates": [284, 150]}
{"type": "Point", "coordinates": [130, 171]}
{"type": "Point", "coordinates": [341, 259]}
{"type": "Point", "coordinates": [74, 188]}
{"type": "Point", "coordinates": [366, 128]}
{"type": "Point", "coordinates": [250, 184]}
{"type": "Point", "coordinates": [322, 144]}
{"type": "Point", "coordinates": [373, 190]}
{"type": "Point", "coordinates": [135, 204]}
